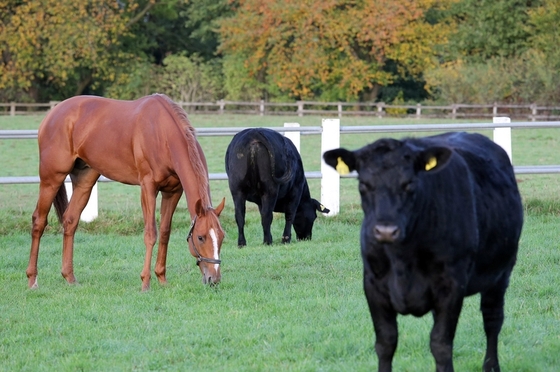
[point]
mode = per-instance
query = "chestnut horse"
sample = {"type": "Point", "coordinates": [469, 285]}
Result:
{"type": "Point", "coordinates": [147, 142]}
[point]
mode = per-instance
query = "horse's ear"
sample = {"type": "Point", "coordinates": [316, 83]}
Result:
{"type": "Point", "coordinates": [200, 212]}
{"type": "Point", "coordinates": [220, 207]}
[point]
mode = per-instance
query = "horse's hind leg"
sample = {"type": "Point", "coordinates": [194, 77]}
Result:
{"type": "Point", "coordinates": [47, 192]}
{"type": "Point", "coordinates": [168, 204]}
{"type": "Point", "coordinates": [83, 181]}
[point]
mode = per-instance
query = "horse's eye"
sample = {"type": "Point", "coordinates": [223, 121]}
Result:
{"type": "Point", "coordinates": [201, 239]}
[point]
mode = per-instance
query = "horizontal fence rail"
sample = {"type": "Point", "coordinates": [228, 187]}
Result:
{"type": "Point", "coordinates": [330, 132]}
{"type": "Point", "coordinates": [231, 131]}
{"type": "Point", "coordinates": [531, 112]}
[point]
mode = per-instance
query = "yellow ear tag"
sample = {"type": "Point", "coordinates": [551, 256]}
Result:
{"type": "Point", "coordinates": [431, 163]}
{"type": "Point", "coordinates": [341, 167]}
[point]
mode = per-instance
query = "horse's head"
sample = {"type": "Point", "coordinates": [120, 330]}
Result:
{"type": "Point", "coordinates": [205, 241]}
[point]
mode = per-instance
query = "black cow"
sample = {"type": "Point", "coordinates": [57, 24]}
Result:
{"type": "Point", "coordinates": [265, 168]}
{"type": "Point", "coordinates": [442, 220]}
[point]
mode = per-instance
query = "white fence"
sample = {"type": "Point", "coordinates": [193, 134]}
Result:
{"type": "Point", "coordinates": [330, 132]}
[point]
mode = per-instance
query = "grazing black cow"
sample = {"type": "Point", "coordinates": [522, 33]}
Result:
{"type": "Point", "coordinates": [442, 220]}
{"type": "Point", "coordinates": [265, 168]}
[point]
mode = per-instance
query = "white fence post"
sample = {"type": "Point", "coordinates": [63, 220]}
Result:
{"type": "Point", "coordinates": [90, 212]}
{"type": "Point", "coordinates": [294, 136]}
{"type": "Point", "coordinates": [330, 179]}
{"type": "Point", "coordinates": [502, 136]}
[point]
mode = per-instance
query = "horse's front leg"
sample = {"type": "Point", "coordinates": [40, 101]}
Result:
{"type": "Point", "coordinates": [169, 203]}
{"type": "Point", "coordinates": [82, 181]}
{"type": "Point", "coordinates": [148, 193]}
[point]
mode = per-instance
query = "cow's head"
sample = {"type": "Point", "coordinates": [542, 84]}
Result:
{"type": "Point", "coordinates": [390, 175]}
{"type": "Point", "coordinates": [305, 217]}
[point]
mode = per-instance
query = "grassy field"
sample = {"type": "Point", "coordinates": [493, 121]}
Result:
{"type": "Point", "coordinates": [297, 307]}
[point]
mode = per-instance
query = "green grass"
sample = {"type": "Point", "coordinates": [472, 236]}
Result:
{"type": "Point", "coordinates": [297, 307]}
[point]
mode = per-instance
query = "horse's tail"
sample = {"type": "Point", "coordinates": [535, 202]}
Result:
{"type": "Point", "coordinates": [60, 202]}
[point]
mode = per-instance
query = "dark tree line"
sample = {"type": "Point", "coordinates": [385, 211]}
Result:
{"type": "Point", "coordinates": [467, 51]}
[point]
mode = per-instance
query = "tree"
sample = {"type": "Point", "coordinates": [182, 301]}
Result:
{"type": "Point", "coordinates": [189, 79]}
{"type": "Point", "coordinates": [202, 18]}
{"type": "Point", "coordinates": [488, 28]}
{"type": "Point", "coordinates": [502, 51]}
{"type": "Point", "coordinates": [329, 48]}
{"type": "Point", "coordinates": [63, 44]}
{"type": "Point", "coordinates": [544, 31]}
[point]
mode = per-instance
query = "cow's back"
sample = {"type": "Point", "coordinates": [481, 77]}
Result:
{"type": "Point", "coordinates": [499, 211]}
{"type": "Point", "coordinates": [258, 158]}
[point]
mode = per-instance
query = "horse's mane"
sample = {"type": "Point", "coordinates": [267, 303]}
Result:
{"type": "Point", "coordinates": [201, 173]}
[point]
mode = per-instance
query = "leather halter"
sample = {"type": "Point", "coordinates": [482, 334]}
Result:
{"type": "Point", "coordinates": [199, 257]}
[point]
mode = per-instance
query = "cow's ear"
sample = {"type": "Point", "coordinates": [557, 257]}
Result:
{"type": "Point", "coordinates": [433, 159]}
{"type": "Point", "coordinates": [342, 160]}
{"type": "Point", "coordinates": [320, 207]}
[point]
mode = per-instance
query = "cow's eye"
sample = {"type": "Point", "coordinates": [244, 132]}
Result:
{"type": "Point", "coordinates": [365, 188]}
{"type": "Point", "coordinates": [407, 186]}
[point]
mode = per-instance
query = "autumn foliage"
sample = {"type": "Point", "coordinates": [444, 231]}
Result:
{"type": "Point", "coordinates": [336, 48]}
{"type": "Point", "coordinates": [57, 42]}
{"type": "Point", "coordinates": [282, 50]}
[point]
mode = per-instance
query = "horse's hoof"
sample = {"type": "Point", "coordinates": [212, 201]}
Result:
{"type": "Point", "coordinates": [32, 283]}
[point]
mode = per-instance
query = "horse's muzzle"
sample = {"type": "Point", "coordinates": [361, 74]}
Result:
{"type": "Point", "coordinates": [210, 276]}
{"type": "Point", "coordinates": [211, 281]}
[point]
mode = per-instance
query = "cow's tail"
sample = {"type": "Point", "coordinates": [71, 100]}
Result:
{"type": "Point", "coordinates": [287, 175]}
{"type": "Point", "coordinates": [60, 202]}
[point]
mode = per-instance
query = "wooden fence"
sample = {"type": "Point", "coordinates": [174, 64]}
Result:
{"type": "Point", "coordinates": [530, 112]}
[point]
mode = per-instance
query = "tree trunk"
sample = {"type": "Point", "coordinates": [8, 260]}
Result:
{"type": "Point", "coordinates": [83, 83]}
{"type": "Point", "coordinates": [370, 95]}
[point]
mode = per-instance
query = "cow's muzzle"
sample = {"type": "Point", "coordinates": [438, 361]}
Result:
{"type": "Point", "coordinates": [386, 233]}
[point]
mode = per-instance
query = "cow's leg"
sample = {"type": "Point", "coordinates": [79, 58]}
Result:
{"type": "Point", "coordinates": [446, 316]}
{"type": "Point", "coordinates": [266, 208]}
{"type": "Point", "coordinates": [239, 207]}
{"type": "Point", "coordinates": [492, 307]}
{"type": "Point", "coordinates": [291, 208]}
{"type": "Point", "coordinates": [287, 234]}
{"type": "Point", "coordinates": [148, 193]}
{"type": "Point", "coordinates": [384, 323]}
{"type": "Point", "coordinates": [83, 181]}
{"type": "Point", "coordinates": [169, 202]}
